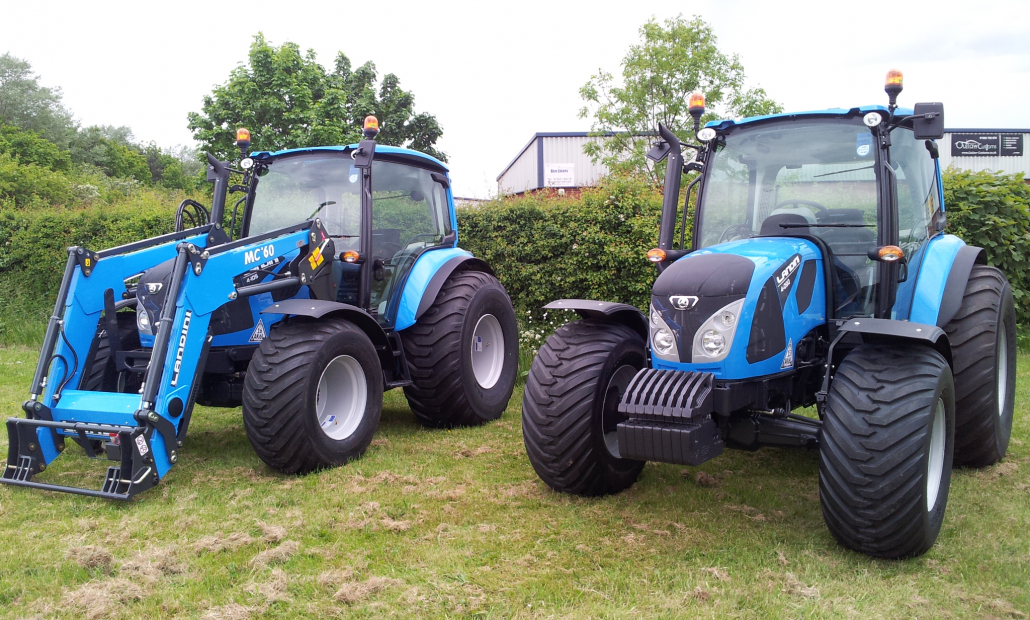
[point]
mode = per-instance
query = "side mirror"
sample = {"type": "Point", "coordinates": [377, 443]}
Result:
{"type": "Point", "coordinates": [928, 121]}
{"type": "Point", "coordinates": [659, 151]}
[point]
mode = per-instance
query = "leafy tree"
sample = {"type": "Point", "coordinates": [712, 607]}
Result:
{"type": "Point", "coordinates": [111, 150]}
{"type": "Point", "coordinates": [672, 60]}
{"type": "Point", "coordinates": [26, 104]}
{"type": "Point", "coordinates": [288, 100]}
{"type": "Point", "coordinates": [26, 147]}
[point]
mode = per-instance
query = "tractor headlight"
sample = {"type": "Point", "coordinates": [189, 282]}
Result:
{"type": "Point", "coordinates": [143, 320]}
{"type": "Point", "coordinates": [713, 339]}
{"type": "Point", "coordinates": [713, 343]}
{"type": "Point", "coordinates": [663, 338]}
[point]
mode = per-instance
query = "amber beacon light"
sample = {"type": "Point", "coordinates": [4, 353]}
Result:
{"type": "Point", "coordinates": [371, 129]}
{"type": "Point", "coordinates": [243, 140]}
{"type": "Point", "coordinates": [893, 85]}
{"type": "Point", "coordinates": [696, 107]}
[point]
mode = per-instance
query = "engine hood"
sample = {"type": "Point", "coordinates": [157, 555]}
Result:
{"type": "Point", "coordinates": [740, 294]}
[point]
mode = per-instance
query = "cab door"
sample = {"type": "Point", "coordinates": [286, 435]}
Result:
{"type": "Point", "coordinates": [918, 196]}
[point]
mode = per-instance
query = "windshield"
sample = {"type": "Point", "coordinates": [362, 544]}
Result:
{"type": "Point", "coordinates": [800, 177]}
{"type": "Point", "coordinates": [300, 187]}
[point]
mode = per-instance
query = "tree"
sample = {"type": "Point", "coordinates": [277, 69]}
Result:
{"type": "Point", "coordinates": [111, 150]}
{"type": "Point", "coordinates": [29, 106]}
{"type": "Point", "coordinates": [288, 100]}
{"type": "Point", "coordinates": [672, 60]}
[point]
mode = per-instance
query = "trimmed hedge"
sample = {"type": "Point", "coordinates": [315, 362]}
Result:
{"type": "Point", "coordinates": [992, 211]}
{"type": "Point", "coordinates": [33, 245]}
{"type": "Point", "coordinates": [592, 246]}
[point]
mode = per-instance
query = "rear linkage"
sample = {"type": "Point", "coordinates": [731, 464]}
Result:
{"type": "Point", "coordinates": [144, 432]}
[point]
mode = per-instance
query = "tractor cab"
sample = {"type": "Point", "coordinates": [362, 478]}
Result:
{"type": "Point", "coordinates": [409, 204]}
{"type": "Point", "coordinates": [819, 176]}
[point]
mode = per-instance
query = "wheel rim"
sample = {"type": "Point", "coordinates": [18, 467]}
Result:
{"type": "Point", "coordinates": [935, 468]}
{"type": "Point", "coordinates": [341, 397]}
{"type": "Point", "coordinates": [487, 351]}
{"type": "Point", "coordinates": [1003, 368]}
{"type": "Point", "coordinates": [610, 407]}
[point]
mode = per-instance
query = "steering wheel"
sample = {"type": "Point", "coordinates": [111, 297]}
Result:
{"type": "Point", "coordinates": [798, 202]}
{"type": "Point", "coordinates": [736, 231]}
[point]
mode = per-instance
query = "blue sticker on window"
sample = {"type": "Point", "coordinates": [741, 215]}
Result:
{"type": "Point", "coordinates": [863, 144]}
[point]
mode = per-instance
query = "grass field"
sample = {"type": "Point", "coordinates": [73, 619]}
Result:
{"type": "Point", "coordinates": [456, 524]}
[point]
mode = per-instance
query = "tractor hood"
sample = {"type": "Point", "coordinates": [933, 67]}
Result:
{"type": "Point", "coordinates": [737, 309]}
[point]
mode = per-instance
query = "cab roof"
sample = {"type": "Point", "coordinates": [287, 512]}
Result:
{"type": "Point", "coordinates": [395, 152]}
{"type": "Point", "coordinates": [845, 112]}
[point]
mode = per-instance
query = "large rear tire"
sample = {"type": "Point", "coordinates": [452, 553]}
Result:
{"type": "Point", "coordinates": [983, 344]}
{"type": "Point", "coordinates": [463, 353]}
{"type": "Point", "coordinates": [885, 452]}
{"type": "Point", "coordinates": [313, 395]}
{"type": "Point", "coordinates": [572, 393]}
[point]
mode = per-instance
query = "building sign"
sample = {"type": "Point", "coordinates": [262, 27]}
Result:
{"type": "Point", "coordinates": [986, 144]}
{"type": "Point", "coordinates": [559, 175]}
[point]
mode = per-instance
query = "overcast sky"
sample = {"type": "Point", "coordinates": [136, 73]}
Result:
{"type": "Point", "coordinates": [494, 73]}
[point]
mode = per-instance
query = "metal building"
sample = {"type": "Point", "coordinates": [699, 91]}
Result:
{"type": "Point", "coordinates": [551, 160]}
{"type": "Point", "coordinates": [986, 149]}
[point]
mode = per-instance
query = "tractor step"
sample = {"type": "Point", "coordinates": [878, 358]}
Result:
{"type": "Point", "coordinates": [668, 418]}
{"type": "Point", "coordinates": [32, 443]}
{"type": "Point", "coordinates": [676, 396]}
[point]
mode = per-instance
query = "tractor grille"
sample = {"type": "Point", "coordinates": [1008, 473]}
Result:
{"type": "Point", "coordinates": [676, 396]}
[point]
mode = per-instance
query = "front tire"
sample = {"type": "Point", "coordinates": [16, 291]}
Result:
{"type": "Point", "coordinates": [571, 395]}
{"type": "Point", "coordinates": [983, 344]}
{"type": "Point", "coordinates": [313, 395]}
{"type": "Point", "coordinates": [463, 353]}
{"type": "Point", "coordinates": [885, 451]}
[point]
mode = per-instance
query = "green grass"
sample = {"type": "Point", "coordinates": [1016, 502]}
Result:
{"type": "Point", "coordinates": [456, 524]}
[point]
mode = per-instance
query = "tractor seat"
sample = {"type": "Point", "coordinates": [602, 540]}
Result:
{"type": "Point", "coordinates": [797, 225]}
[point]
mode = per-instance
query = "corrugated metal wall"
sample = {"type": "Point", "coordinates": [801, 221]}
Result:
{"type": "Point", "coordinates": [522, 175]}
{"type": "Point", "coordinates": [1008, 165]}
{"type": "Point", "coordinates": [570, 151]}
{"type": "Point", "coordinates": [524, 172]}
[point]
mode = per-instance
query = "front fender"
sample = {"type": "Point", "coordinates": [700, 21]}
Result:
{"type": "Point", "coordinates": [625, 314]}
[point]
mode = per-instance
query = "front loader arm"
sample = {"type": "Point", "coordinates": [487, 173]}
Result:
{"type": "Point", "coordinates": [148, 428]}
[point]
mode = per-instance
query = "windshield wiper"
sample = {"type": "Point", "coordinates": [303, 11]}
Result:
{"type": "Point", "coordinates": [816, 176]}
{"type": "Point", "coordinates": [327, 202]}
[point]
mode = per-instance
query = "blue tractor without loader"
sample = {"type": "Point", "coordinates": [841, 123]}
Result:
{"type": "Point", "coordinates": [818, 272]}
{"type": "Point", "coordinates": [346, 280]}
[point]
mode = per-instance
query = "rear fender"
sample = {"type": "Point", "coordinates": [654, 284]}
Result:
{"type": "Point", "coordinates": [940, 282]}
{"type": "Point", "coordinates": [427, 277]}
{"type": "Point", "coordinates": [623, 314]}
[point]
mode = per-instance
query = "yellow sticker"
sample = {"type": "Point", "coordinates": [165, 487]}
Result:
{"type": "Point", "coordinates": [317, 258]}
{"type": "Point", "coordinates": [87, 262]}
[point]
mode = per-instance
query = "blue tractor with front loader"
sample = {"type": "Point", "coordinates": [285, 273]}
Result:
{"type": "Point", "coordinates": [346, 280]}
{"type": "Point", "coordinates": [818, 272]}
